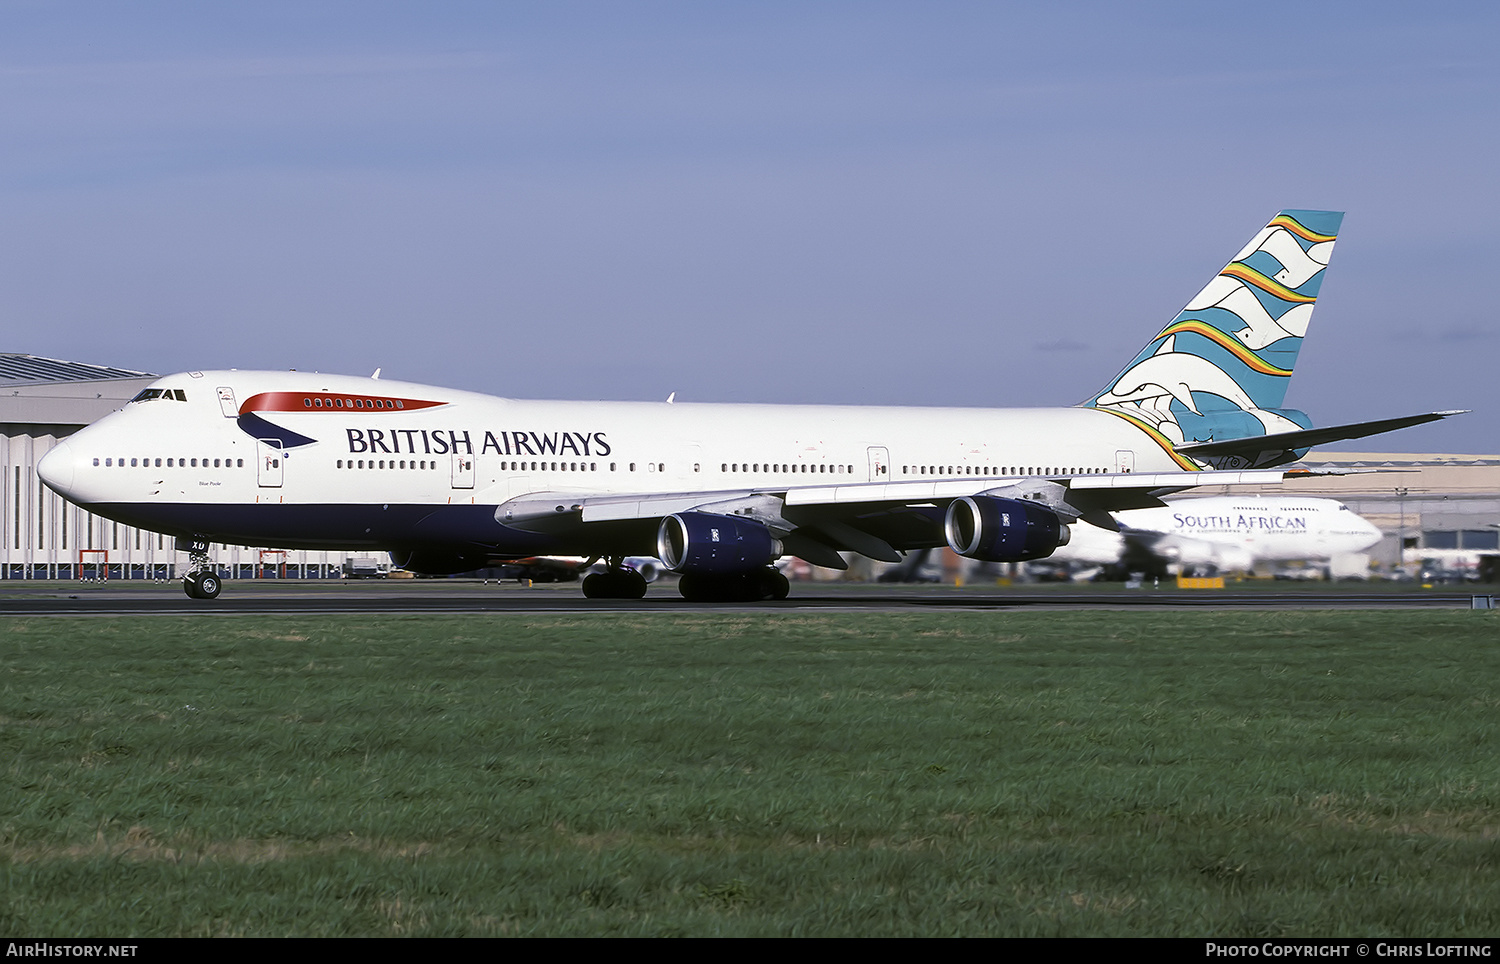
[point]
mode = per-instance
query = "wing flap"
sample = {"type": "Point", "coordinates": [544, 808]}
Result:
{"type": "Point", "coordinates": [1173, 480]}
{"type": "Point", "coordinates": [650, 507]}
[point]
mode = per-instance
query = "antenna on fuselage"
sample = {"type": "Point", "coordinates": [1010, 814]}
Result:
{"type": "Point", "coordinates": [376, 374]}
{"type": "Point", "coordinates": [671, 398]}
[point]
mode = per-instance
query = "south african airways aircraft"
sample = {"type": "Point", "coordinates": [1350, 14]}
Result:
{"type": "Point", "coordinates": [450, 481]}
{"type": "Point", "coordinates": [1226, 532]}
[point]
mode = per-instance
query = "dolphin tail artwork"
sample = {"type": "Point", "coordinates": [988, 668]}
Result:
{"type": "Point", "coordinates": [1209, 387]}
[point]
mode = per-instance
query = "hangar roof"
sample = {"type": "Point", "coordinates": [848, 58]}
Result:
{"type": "Point", "coordinates": [34, 368]}
{"type": "Point", "coordinates": [48, 396]}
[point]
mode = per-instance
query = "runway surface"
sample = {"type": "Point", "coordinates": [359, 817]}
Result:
{"type": "Point", "coordinates": [22, 598]}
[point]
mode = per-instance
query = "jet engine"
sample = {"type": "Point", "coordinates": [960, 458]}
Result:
{"type": "Point", "coordinates": [717, 545]}
{"type": "Point", "coordinates": [1002, 530]}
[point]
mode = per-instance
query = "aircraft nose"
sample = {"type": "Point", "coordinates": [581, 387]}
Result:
{"type": "Point", "coordinates": [56, 468]}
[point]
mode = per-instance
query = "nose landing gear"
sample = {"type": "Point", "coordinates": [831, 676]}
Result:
{"type": "Point", "coordinates": [200, 582]}
{"type": "Point", "coordinates": [202, 585]}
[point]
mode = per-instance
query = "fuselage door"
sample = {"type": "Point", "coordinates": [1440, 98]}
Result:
{"type": "Point", "coordinates": [271, 459]}
{"type": "Point", "coordinates": [463, 470]}
{"type": "Point", "coordinates": [1125, 460]}
{"type": "Point", "coordinates": [880, 463]}
{"type": "Point", "coordinates": [227, 404]}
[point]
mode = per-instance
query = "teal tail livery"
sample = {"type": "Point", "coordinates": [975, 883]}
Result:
{"type": "Point", "coordinates": [1209, 387]}
{"type": "Point", "coordinates": [1220, 369]}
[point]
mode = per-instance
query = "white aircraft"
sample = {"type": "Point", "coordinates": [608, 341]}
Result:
{"type": "Point", "coordinates": [1227, 532]}
{"type": "Point", "coordinates": [449, 481]}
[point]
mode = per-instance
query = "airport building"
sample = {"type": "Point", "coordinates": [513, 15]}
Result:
{"type": "Point", "coordinates": [42, 536]}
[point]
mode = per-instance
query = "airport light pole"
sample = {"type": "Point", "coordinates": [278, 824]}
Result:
{"type": "Point", "coordinates": [1401, 536]}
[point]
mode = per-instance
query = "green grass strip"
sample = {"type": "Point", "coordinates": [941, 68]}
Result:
{"type": "Point", "coordinates": [1081, 773]}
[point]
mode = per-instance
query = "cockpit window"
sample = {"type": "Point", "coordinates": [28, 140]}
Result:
{"type": "Point", "coordinates": [170, 394]}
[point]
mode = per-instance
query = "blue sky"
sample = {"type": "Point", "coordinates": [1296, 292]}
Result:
{"type": "Point", "coordinates": [932, 204]}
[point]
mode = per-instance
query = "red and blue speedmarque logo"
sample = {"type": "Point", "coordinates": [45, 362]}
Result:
{"type": "Point", "coordinates": [255, 425]}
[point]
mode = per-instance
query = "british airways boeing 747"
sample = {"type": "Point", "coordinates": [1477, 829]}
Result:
{"type": "Point", "coordinates": [449, 481]}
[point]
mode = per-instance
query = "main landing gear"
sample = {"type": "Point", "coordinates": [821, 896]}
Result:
{"type": "Point", "coordinates": [201, 582]}
{"type": "Point", "coordinates": [762, 584]}
{"type": "Point", "coordinates": [615, 583]}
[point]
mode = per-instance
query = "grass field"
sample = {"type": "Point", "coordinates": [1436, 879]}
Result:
{"type": "Point", "coordinates": [1246, 773]}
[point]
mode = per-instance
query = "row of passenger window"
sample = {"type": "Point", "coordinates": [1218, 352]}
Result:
{"type": "Point", "coordinates": [319, 402]}
{"type": "Point", "coordinates": [175, 463]}
{"type": "Point", "coordinates": [575, 467]}
{"type": "Point", "coordinates": [1002, 470]}
{"type": "Point", "coordinates": [556, 466]}
{"type": "Point", "coordinates": [785, 467]}
{"type": "Point", "coordinates": [386, 464]}
{"type": "Point", "coordinates": [424, 464]}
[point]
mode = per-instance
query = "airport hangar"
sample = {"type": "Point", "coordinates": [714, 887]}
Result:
{"type": "Point", "coordinates": [1433, 502]}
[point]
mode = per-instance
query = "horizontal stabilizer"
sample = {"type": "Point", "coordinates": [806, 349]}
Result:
{"type": "Point", "coordinates": [1307, 438]}
{"type": "Point", "coordinates": [1306, 473]}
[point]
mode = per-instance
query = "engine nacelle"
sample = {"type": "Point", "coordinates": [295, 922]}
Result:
{"type": "Point", "coordinates": [1002, 530]}
{"type": "Point", "coordinates": [703, 542]}
{"type": "Point", "coordinates": [648, 567]}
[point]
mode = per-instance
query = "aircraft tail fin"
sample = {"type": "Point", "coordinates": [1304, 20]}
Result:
{"type": "Point", "coordinates": [1220, 369]}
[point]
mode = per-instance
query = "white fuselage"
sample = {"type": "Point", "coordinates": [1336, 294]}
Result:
{"type": "Point", "coordinates": [290, 459]}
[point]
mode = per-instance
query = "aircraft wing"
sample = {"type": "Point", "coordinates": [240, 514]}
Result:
{"type": "Point", "coordinates": [1116, 490]}
{"type": "Point", "coordinates": [876, 519]}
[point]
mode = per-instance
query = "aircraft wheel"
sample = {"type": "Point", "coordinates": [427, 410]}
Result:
{"type": "Point", "coordinates": [207, 585]}
{"type": "Point", "coordinates": [745, 587]}
{"type": "Point", "coordinates": [728, 589]}
{"type": "Point", "coordinates": [190, 587]}
{"type": "Point", "coordinates": [775, 585]}
{"type": "Point", "coordinates": [694, 588]}
{"type": "Point", "coordinates": [632, 585]}
{"type": "Point", "coordinates": [614, 585]}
